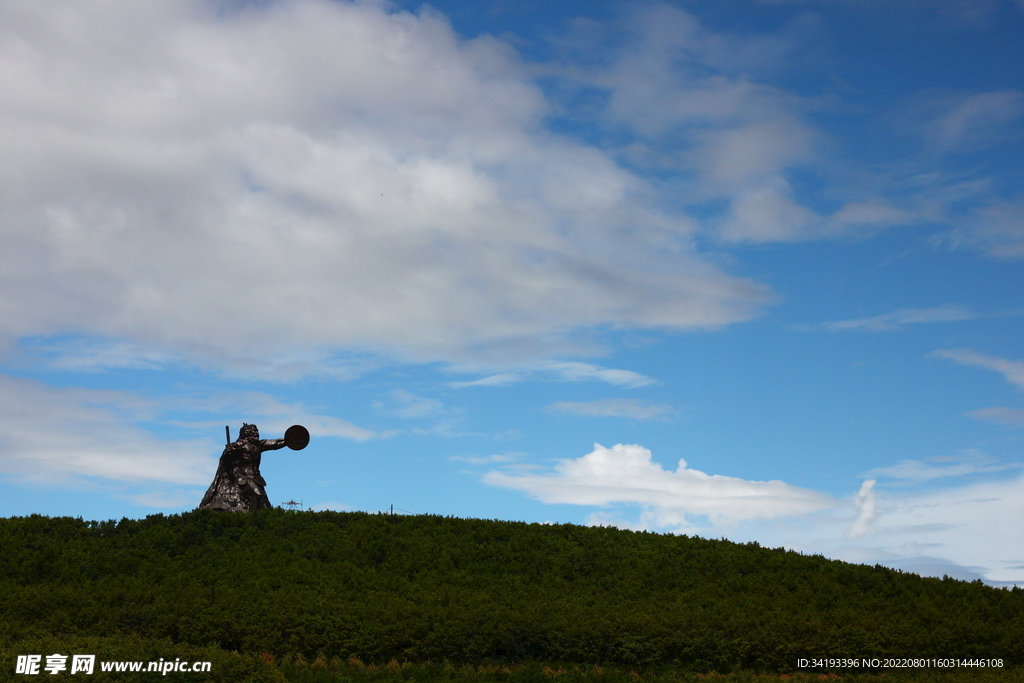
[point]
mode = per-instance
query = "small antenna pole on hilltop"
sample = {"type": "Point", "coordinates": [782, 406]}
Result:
{"type": "Point", "coordinates": [227, 433]}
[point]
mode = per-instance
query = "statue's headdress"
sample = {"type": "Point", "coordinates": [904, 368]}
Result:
{"type": "Point", "coordinates": [248, 431]}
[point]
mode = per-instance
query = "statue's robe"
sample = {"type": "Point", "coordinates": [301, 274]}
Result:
{"type": "Point", "coordinates": [238, 485]}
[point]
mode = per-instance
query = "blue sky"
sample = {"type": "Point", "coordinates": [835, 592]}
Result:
{"type": "Point", "coordinates": [746, 269]}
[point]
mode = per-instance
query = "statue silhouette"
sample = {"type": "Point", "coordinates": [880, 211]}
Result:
{"type": "Point", "coordinates": [238, 485]}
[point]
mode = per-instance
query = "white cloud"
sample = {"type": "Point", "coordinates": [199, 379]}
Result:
{"type": "Point", "coordinates": [446, 421]}
{"type": "Point", "coordinates": [965, 530]}
{"type": "Point", "coordinates": [768, 213]}
{"type": "Point", "coordinates": [578, 372]}
{"type": "Point", "coordinates": [498, 380]}
{"type": "Point", "coordinates": [866, 504]}
{"type": "Point", "coordinates": [754, 153]}
{"type": "Point", "coordinates": [365, 180]}
{"type": "Point", "coordinates": [691, 97]}
{"type": "Point", "coordinates": [971, 121]}
{"type": "Point", "coordinates": [665, 71]}
{"type": "Point", "coordinates": [560, 371]}
{"type": "Point", "coordinates": [1012, 370]}
{"type": "Point", "coordinates": [62, 436]}
{"type": "Point", "coordinates": [942, 467]}
{"type": "Point", "coordinates": [284, 365]}
{"type": "Point", "coordinates": [412, 406]}
{"type": "Point", "coordinates": [627, 474]}
{"type": "Point", "coordinates": [900, 319]}
{"type": "Point", "coordinates": [101, 439]}
{"type": "Point", "coordinates": [272, 415]}
{"type": "Point", "coordinates": [997, 230]}
{"type": "Point", "coordinates": [95, 355]}
{"type": "Point", "coordinates": [1011, 417]}
{"type": "Point", "coordinates": [977, 525]}
{"type": "Point", "coordinates": [614, 407]}
{"type": "Point", "coordinates": [875, 213]}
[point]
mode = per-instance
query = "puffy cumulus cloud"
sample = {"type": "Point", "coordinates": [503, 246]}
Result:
{"type": "Point", "coordinates": [627, 474]}
{"type": "Point", "coordinates": [865, 502]}
{"type": "Point", "coordinates": [228, 186]}
{"type": "Point", "coordinates": [614, 407]}
{"type": "Point", "coordinates": [67, 436]}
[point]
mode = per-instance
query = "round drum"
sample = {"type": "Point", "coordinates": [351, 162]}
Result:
{"type": "Point", "coordinates": [296, 437]}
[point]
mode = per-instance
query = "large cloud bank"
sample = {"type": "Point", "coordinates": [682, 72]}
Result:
{"type": "Point", "coordinates": [948, 530]}
{"type": "Point", "coordinates": [226, 185]}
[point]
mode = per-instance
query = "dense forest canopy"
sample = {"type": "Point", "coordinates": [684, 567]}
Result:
{"type": "Point", "coordinates": [419, 588]}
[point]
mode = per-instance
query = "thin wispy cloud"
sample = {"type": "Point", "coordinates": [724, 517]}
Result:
{"type": "Point", "coordinates": [975, 120]}
{"type": "Point", "coordinates": [580, 372]}
{"type": "Point", "coordinates": [68, 436]}
{"type": "Point", "coordinates": [499, 380]}
{"type": "Point", "coordinates": [941, 467]}
{"type": "Point", "coordinates": [1001, 415]}
{"type": "Point", "coordinates": [692, 99]}
{"type": "Point", "coordinates": [410, 405]}
{"type": "Point", "coordinates": [562, 372]}
{"type": "Point", "coordinates": [995, 229]}
{"type": "Point", "coordinates": [1011, 370]}
{"type": "Point", "coordinates": [441, 420]}
{"type": "Point", "coordinates": [98, 355]}
{"type": "Point", "coordinates": [898, 320]}
{"type": "Point", "coordinates": [271, 414]}
{"type": "Point", "coordinates": [614, 407]}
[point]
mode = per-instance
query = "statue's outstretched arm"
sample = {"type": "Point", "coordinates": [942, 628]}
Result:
{"type": "Point", "coordinates": [271, 444]}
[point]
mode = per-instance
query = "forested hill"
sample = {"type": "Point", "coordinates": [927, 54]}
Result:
{"type": "Point", "coordinates": [419, 588]}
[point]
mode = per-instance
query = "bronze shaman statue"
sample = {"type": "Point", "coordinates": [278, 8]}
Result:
{"type": "Point", "coordinates": [238, 485]}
